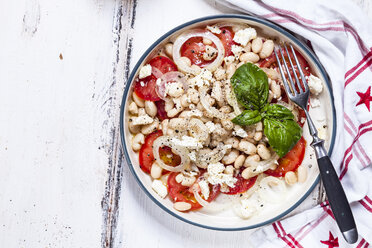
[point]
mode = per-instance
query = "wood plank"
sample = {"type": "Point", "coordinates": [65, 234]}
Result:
{"type": "Point", "coordinates": [57, 113]}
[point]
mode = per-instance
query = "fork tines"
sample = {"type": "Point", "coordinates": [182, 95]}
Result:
{"type": "Point", "coordinates": [291, 89]}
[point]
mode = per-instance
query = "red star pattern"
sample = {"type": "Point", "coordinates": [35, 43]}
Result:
{"type": "Point", "coordinates": [365, 98]}
{"type": "Point", "coordinates": [332, 242]}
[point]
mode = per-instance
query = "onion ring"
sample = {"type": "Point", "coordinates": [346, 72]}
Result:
{"type": "Point", "coordinates": [172, 76]}
{"type": "Point", "coordinates": [181, 151]}
{"type": "Point", "coordinates": [197, 33]}
{"type": "Point", "coordinates": [267, 192]}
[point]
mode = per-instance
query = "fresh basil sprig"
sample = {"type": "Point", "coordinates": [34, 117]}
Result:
{"type": "Point", "coordinates": [251, 88]}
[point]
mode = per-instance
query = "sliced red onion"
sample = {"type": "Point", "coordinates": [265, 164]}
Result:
{"type": "Point", "coordinates": [170, 77]}
{"type": "Point", "coordinates": [180, 151]}
{"type": "Point", "coordinates": [197, 33]}
{"type": "Point", "coordinates": [156, 72]}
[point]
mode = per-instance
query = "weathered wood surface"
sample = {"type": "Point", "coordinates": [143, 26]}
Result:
{"type": "Point", "coordinates": [63, 67]}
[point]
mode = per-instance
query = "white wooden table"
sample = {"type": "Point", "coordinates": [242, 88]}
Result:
{"type": "Point", "coordinates": [63, 181]}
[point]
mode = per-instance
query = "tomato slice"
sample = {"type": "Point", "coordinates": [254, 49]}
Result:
{"type": "Point", "coordinates": [145, 88]}
{"type": "Point", "coordinates": [162, 114]}
{"type": "Point", "coordinates": [180, 193]}
{"type": "Point", "coordinates": [146, 156]}
{"type": "Point", "coordinates": [271, 62]}
{"type": "Point", "coordinates": [242, 185]}
{"type": "Point", "coordinates": [291, 161]}
{"type": "Point", "coordinates": [193, 49]}
{"type": "Point", "coordinates": [163, 64]}
{"type": "Point", "coordinates": [226, 36]}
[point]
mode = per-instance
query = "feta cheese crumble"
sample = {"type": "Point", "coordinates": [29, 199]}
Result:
{"type": "Point", "coordinates": [214, 29]}
{"type": "Point", "coordinates": [216, 175]}
{"type": "Point", "coordinates": [211, 126]}
{"type": "Point", "coordinates": [192, 156]}
{"type": "Point", "coordinates": [236, 50]}
{"type": "Point", "coordinates": [204, 187]}
{"type": "Point", "coordinates": [315, 103]}
{"type": "Point", "coordinates": [315, 85]}
{"type": "Point", "coordinates": [187, 142]}
{"type": "Point", "coordinates": [228, 60]}
{"type": "Point", "coordinates": [245, 35]}
{"type": "Point", "coordinates": [203, 79]}
{"type": "Point", "coordinates": [239, 131]}
{"type": "Point", "coordinates": [159, 188]}
{"type": "Point", "coordinates": [145, 71]}
{"type": "Point", "coordinates": [142, 120]}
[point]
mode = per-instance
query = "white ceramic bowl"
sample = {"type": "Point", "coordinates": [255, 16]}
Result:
{"type": "Point", "coordinates": [227, 220]}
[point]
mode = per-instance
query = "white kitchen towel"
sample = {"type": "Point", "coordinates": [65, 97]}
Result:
{"type": "Point", "coordinates": [341, 36]}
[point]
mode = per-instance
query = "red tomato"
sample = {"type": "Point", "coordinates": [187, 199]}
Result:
{"type": "Point", "coordinates": [146, 156]}
{"type": "Point", "coordinates": [168, 157]}
{"type": "Point", "coordinates": [291, 161]}
{"type": "Point", "coordinates": [164, 64]}
{"type": "Point", "coordinates": [242, 185]}
{"type": "Point", "coordinates": [162, 114]}
{"type": "Point", "coordinates": [226, 36]}
{"type": "Point", "coordinates": [271, 62]}
{"type": "Point", "coordinates": [194, 48]}
{"type": "Point", "coordinates": [180, 193]}
{"type": "Point", "coordinates": [145, 88]}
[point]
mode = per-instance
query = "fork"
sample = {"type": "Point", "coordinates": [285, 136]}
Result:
{"type": "Point", "coordinates": [336, 195]}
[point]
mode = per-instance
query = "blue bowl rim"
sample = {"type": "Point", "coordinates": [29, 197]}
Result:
{"type": "Point", "coordinates": [224, 16]}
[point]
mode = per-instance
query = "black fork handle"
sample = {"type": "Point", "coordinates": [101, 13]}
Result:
{"type": "Point", "coordinates": [336, 196]}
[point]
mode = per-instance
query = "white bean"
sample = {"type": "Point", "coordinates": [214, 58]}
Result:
{"type": "Point", "coordinates": [275, 88]}
{"type": "Point", "coordinates": [149, 128]}
{"type": "Point", "coordinates": [151, 108]}
{"type": "Point", "coordinates": [164, 125]}
{"type": "Point", "coordinates": [169, 50]}
{"type": "Point", "coordinates": [188, 181]}
{"type": "Point", "coordinates": [156, 170]}
{"type": "Point", "coordinates": [232, 141]}
{"type": "Point", "coordinates": [137, 141]}
{"type": "Point", "coordinates": [290, 178]}
{"type": "Point", "coordinates": [248, 47]}
{"type": "Point", "coordinates": [207, 41]}
{"type": "Point", "coordinates": [133, 108]}
{"type": "Point", "coordinates": [178, 123]}
{"type": "Point", "coordinates": [231, 157]}
{"type": "Point", "coordinates": [133, 128]}
{"type": "Point", "coordinates": [259, 126]}
{"type": "Point", "coordinates": [263, 151]}
{"type": "Point", "coordinates": [267, 49]}
{"type": "Point", "coordinates": [251, 160]}
{"type": "Point", "coordinates": [249, 57]}
{"type": "Point", "coordinates": [302, 174]}
{"type": "Point", "coordinates": [257, 45]}
{"type": "Point", "coordinates": [193, 94]}
{"type": "Point", "coordinates": [185, 61]}
{"type": "Point", "coordinates": [230, 70]}
{"type": "Point", "coordinates": [239, 161]}
{"type": "Point", "coordinates": [257, 136]}
{"type": "Point", "coordinates": [247, 147]}
{"type": "Point", "coordinates": [185, 101]}
{"type": "Point", "coordinates": [140, 102]}
{"type": "Point", "coordinates": [229, 170]}
{"type": "Point", "coordinates": [247, 173]}
{"type": "Point", "coordinates": [182, 206]}
{"type": "Point", "coordinates": [227, 124]}
{"type": "Point", "coordinates": [220, 74]}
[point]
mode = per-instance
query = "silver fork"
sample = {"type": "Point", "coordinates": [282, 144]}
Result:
{"type": "Point", "coordinates": [335, 193]}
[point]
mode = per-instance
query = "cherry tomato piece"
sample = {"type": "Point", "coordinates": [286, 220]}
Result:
{"type": "Point", "coordinates": [226, 36]}
{"type": "Point", "coordinates": [145, 88]}
{"type": "Point", "coordinates": [146, 156]}
{"type": "Point", "coordinates": [180, 193]}
{"type": "Point", "coordinates": [163, 64]}
{"type": "Point", "coordinates": [242, 185]}
{"type": "Point", "coordinates": [291, 161]}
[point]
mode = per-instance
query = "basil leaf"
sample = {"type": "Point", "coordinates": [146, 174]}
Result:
{"type": "Point", "coordinates": [250, 86]}
{"type": "Point", "coordinates": [278, 112]}
{"type": "Point", "coordinates": [282, 134]}
{"type": "Point", "coordinates": [247, 117]}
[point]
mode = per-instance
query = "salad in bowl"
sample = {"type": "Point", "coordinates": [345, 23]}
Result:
{"type": "Point", "coordinates": [210, 125]}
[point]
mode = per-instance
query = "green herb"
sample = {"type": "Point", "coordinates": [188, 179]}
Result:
{"type": "Point", "coordinates": [251, 88]}
{"type": "Point", "coordinates": [247, 117]}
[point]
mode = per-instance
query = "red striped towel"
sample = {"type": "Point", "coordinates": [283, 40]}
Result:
{"type": "Point", "coordinates": [341, 36]}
